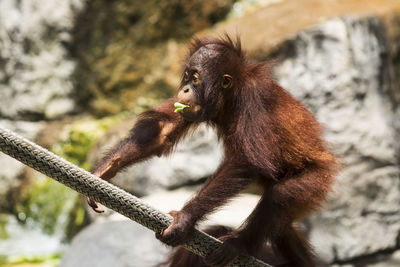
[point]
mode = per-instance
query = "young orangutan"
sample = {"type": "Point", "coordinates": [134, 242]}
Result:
{"type": "Point", "coordinates": [268, 136]}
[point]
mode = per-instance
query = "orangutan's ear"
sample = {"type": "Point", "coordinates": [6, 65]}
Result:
{"type": "Point", "coordinates": [226, 81]}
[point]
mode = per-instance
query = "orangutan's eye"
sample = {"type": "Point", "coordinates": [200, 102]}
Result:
{"type": "Point", "coordinates": [196, 78]}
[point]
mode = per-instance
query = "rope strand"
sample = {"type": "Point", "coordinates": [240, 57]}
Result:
{"type": "Point", "coordinates": [105, 193]}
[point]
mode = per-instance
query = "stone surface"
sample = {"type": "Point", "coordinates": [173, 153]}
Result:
{"type": "Point", "coordinates": [35, 71]}
{"type": "Point", "coordinates": [233, 214]}
{"type": "Point", "coordinates": [114, 243]}
{"type": "Point", "coordinates": [340, 70]}
{"type": "Point", "coordinates": [119, 242]}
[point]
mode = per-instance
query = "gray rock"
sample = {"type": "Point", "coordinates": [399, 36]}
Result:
{"type": "Point", "coordinates": [340, 71]}
{"type": "Point", "coordinates": [233, 214]}
{"type": "Point", "coordinates": [114, 243]}
{"type": "Point", "coordinates": [35, 72]}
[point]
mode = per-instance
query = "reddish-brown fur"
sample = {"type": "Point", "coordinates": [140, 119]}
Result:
{"type": "Point", "coordinates": [268, 136]}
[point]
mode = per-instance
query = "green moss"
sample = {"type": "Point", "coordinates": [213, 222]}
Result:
{"type": "Point", "coordinates": [3, 224]}
{"type": "Point", "coordinates": [49, 260]}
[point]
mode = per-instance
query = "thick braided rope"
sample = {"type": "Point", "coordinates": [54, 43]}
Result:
{"type": "Point", "coordinates": [107, 194]}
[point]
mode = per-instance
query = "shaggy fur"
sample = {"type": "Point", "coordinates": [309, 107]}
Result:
{"type": "Point", "coordinates": [269, 138]}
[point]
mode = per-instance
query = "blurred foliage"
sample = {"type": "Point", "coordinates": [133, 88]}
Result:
{"type": "Point", "coordinates": [127, 49]}
{"type": "Point", "coordinates": [79, 137]}
{"type": "Point", "coordinates": [51, 206]}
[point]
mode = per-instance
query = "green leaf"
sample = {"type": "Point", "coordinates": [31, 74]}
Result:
{"type": "Point", "coordinates": [179, 107]}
